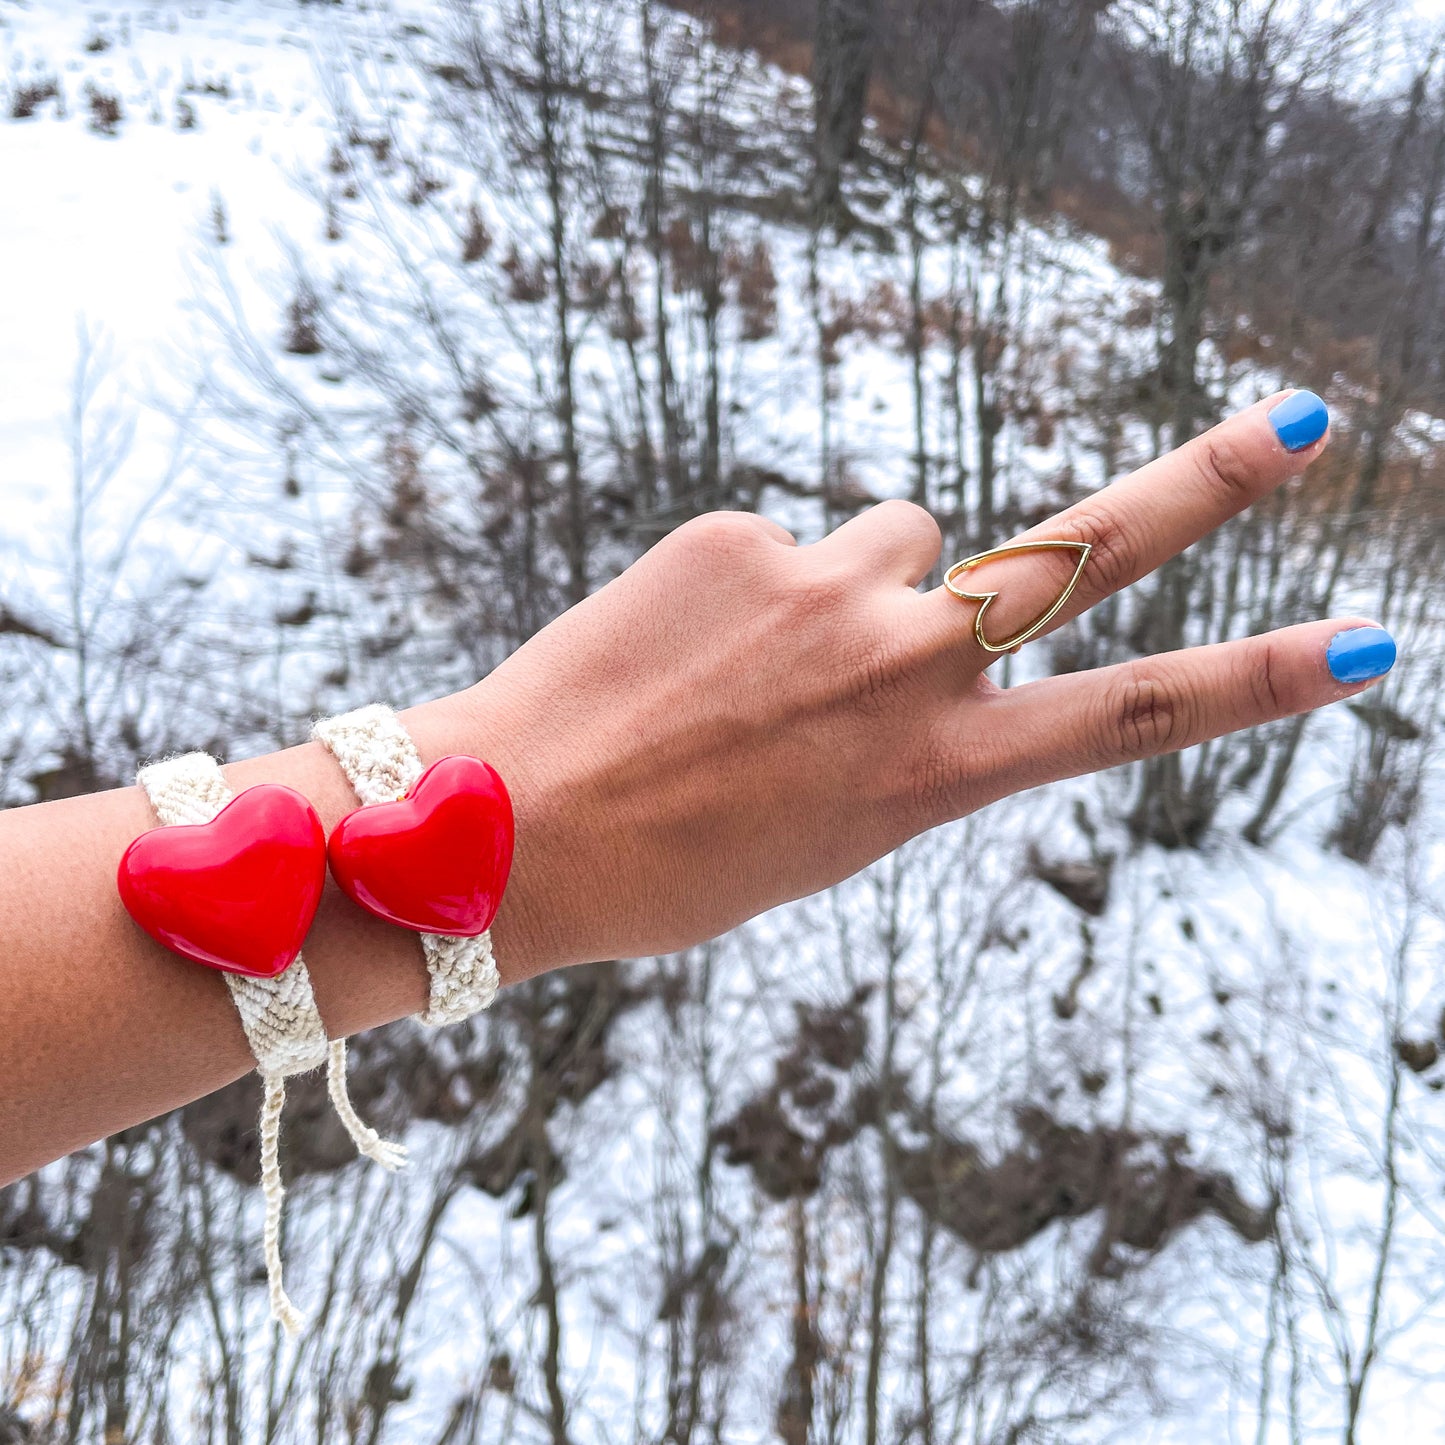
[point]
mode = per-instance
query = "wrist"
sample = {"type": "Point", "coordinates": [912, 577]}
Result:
{"type": "Point", "coordinates": [529, 933]}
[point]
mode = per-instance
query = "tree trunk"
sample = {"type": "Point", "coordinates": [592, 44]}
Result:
{"type": "Point", "coordinates": [842, 65]}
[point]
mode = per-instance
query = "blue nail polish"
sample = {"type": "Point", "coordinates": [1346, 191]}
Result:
{"type": "Point", "coordinates": [1300, 420]}
{"type": "Point", "coordinates": [1360, 653]}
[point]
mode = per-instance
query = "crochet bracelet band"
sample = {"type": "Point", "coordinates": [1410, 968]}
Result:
{"type": "Point", "coordinates": [382, 764]}
{"type": "Point", "coordinates": [279, 1016]}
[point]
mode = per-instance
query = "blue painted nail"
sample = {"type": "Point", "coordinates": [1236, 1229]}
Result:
{"type": "Point", "coordinates": [1360, 654]}
{"type": "Point", "coordinates": [1300, 420]}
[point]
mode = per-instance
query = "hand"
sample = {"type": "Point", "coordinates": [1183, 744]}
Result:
{"type": "Point", "coordinates": [737, 721]}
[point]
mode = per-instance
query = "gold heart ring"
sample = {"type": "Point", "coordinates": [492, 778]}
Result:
{"type": "Point", "coordinates": [985, 599]}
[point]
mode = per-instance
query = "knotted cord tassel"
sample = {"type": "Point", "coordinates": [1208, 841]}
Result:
{"type": "Point", "coordinates": [368, 1142]}
{"type": "Point", "coordinates": [282, 1310]}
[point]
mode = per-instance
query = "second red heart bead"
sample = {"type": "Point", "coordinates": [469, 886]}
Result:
{"type": "Point", "coordinates": [435, 861]}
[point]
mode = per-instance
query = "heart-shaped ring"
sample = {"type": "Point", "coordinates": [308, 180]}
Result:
{"type": "Point", "coordinates": [985, 599]}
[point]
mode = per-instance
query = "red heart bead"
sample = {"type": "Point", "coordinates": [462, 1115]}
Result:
{"type": "Point", "coordinates": [435, 861]}
{"type": "Point", "coordinates": [237, 893]}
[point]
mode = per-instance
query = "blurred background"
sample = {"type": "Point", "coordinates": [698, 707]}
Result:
{"type": "Point", "coordinates": [345, 344]}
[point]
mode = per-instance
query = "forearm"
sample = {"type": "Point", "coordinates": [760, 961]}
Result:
{"type": "Point", "coordinates": [102, 1028]}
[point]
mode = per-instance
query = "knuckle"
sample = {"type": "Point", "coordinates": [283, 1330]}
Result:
{"type": "Point", "coordinates": [720, 536]}
{"type": "Point", "coordinates": [1144, 716]}
{"type": "Point", "coordinates": [1266, 679]}
{"type": "Point", "coordinates": [1225, 466]}
{"type": "Point", "coordinates": [1113, 558]}
{"type": "Point", "coordinates": [766, 527]}
{"type": "Point", "coordinates": [917, 520]}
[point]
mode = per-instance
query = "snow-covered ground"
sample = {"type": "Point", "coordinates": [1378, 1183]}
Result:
{"type": "Point", "coordinates": [104, 228]}
{"type": "Point", "coordinates": [1245, 997]}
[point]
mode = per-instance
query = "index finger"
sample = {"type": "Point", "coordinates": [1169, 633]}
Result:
{"type": "Point", "coordinates": [1139, 522]}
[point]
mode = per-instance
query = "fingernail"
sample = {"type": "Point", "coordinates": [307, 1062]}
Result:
{"type": "Point", "coordinates": [1360, 653]}
{"type": "Point", "coordinates": [1300, 420]}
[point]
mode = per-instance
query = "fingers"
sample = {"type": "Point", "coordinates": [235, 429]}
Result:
{"type": "Point", "coordinates": [1143, 520]}
{"type": "Point", "coordinates": [1061, 727]}
{"type": "Point", "coordinates": [896, 540]}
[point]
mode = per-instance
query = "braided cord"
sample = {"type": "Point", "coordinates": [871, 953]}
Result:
{"type": "Point", "coordinates": [273, 1101]}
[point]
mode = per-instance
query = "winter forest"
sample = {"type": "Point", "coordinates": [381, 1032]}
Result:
{"type": "Point", "coordinates": [347, 344]}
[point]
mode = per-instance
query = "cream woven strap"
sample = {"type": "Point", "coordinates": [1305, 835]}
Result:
{"type": "Point", "coordinates": [381, 762]}
{"type": "Point", "coordinates": [279, 1016]}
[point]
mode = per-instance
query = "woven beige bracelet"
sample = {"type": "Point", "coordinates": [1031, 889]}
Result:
{"type": "Point", "coordinates": [381, 762]}
{"type": "Point", "coordinates": [279, 1016]}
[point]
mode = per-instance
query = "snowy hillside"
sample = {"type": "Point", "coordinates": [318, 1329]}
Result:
{"type": "Point", "coordinates": [318, 259]}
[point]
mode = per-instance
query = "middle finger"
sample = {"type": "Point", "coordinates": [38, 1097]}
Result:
{"type": "Point", "coordinates": [1139, 522]}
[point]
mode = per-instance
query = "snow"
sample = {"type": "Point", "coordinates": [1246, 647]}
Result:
{"type": "Point", "coordinates": [117, 233]}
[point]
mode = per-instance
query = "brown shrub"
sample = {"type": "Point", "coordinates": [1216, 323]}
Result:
{"type": "Point", "coordinates": [594, 285]}
{"type": "Point", "coordinates": [476, 239]}
{"type": "Point", "coordinates": [302, 335]}
{"type": "Point", "coordinates": [527, 279]}
{"type": "Point", "coordinates": [757, 290]}
{"type": "Point", "coordinates": [611, 224]}
{"type": "Point", "coordinates": [688, 258]}
{"type": "Point", "coordinates": [29, 98]}
{"type": "Point", "coordinates": [105, 110]}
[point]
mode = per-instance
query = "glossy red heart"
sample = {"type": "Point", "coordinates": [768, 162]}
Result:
{"type": "Point", "coordinates": [435, 861]}
{"type": "Point", "coordinates": [237, 893]}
